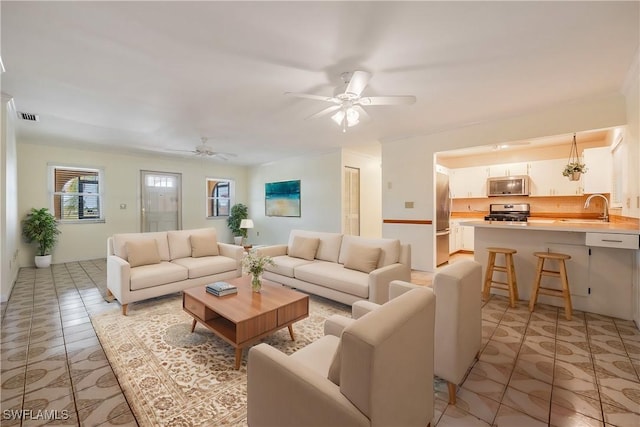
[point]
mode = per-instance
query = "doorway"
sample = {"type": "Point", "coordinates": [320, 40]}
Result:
{"type": "Point", "coordinates": [161, 207]}
{"type": "Point", "coordinates": [351, 201]}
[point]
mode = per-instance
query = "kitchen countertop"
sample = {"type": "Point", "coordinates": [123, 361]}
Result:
{"type": "Point", "coordinates": [573, 225]}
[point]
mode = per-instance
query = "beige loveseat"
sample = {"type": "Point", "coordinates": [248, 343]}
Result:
{"type": "Point", "coordinates": [147, 265]}
{"type": "Point", "coordinates": [377, 372]}
{"type": "Point", "coordinates": [339, 267]}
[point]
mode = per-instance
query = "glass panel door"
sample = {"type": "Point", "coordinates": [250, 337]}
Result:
{"type": "Point", "coordinates": [161, 201]}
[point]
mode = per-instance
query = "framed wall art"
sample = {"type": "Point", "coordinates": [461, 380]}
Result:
{"type": "Point", "coordinates": [282, 198]}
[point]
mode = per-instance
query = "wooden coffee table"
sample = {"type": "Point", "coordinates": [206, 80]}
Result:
{"type": "Point", "coordinates": [244, 318]}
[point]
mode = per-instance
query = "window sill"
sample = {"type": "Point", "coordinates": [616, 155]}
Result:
{"type": "Point", "coordinates": [82, 221]}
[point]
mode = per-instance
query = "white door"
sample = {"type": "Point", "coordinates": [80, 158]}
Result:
{"type": "Point", "coordinates": [161, 201]}
{"type": "Point", "coordinates": [351, 201]}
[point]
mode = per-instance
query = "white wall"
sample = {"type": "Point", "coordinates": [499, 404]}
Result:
{"type": "Point", "coordinates": [370, 191]}
{"type": "Point", "coordinates": [631, 188]}
{"type": "Point", "coordinates": [407, 165]}
{"type": "Point", "coordinates": [122, 185]}
{"type": "Point", "coordinates": [9, 222]}
{"type": "Point", "coordinates": [320, 196]}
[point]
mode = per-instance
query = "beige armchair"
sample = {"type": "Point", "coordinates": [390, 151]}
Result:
{"type": "Point", "coordinates": [379, 372]}
{"type": "Point", "coordinates": [458, 333]}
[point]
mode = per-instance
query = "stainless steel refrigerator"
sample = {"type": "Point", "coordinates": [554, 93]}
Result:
{"type": "Point", "coordinates": [443, 211]}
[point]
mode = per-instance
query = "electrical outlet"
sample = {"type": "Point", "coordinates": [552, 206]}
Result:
{"type": "Point", "coordinates": [408, 205]}
{"type": "Point", "coordinates": [257, 233]}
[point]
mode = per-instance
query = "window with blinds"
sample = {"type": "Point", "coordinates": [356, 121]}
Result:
{"type": "Point", "coordinates": [77, 194]}
{"type": "Point", "coordinates": [218, 197]}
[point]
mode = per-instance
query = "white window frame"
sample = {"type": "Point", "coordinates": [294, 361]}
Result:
{"type": "Point", "coordinates": [52, 193]}
{"type": "Point", "coordinates": [209, 198]}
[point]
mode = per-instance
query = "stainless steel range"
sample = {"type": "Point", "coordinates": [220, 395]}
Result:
{"type": "Point", "coordinates": [508, 212]}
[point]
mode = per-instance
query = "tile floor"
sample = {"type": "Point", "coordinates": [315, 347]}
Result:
{"type": "Point", "coordinates": [534, 369]}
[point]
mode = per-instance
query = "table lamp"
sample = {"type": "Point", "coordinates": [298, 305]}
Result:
{"type": "Point", "coordinates": [245, 224]}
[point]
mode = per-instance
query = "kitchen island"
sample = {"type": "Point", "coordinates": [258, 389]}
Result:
{"type": "Point", "coordinates": [603, 273]}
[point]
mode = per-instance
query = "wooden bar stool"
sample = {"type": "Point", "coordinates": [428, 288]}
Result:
{"type": "Point", "coordinates": [511, 284]}
{"type": "Point", "coordinates": [562, 274]}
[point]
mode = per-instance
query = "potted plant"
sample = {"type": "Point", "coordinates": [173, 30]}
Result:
{"type": "Point", "coordinates": [238, 213]}
{"type": "Point", "coordinates": [573, 170]}
{"type": "Point", "coordinates": [40, 226]}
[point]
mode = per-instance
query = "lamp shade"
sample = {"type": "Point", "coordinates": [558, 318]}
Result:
{"type": "Point", "coordinates": [246, 223]}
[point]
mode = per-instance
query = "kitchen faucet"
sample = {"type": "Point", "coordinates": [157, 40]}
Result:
{"type": "Point", "coordinates": [605, 214]}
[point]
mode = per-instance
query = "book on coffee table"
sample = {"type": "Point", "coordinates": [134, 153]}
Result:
{"type": "Point", "coordinates": [221, 288]}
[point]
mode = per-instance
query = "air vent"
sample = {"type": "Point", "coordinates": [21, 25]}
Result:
{"type": "Point", "coordinates": [29, 116]}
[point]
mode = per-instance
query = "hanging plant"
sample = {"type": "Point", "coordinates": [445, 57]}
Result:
{"type": "Point", "coordinates": [574, 167]}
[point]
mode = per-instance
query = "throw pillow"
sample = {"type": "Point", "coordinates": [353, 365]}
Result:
{"type": "Point", "coordinates": [304, 247]}
{"type": "Point", "coordinates": [142, 252]}
{"type": "Point", "coordinates": [203, 245]}
{"type": "Point", "coordinates": [362, 258]}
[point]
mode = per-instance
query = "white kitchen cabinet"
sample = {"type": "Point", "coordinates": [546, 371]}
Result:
{"type": "Point", "coordinates": [467, 237]}
{"type": "Point", "coordinates": [599, 175]}
{"type": "Point", "coordinates": [465, 183]}
{"type": "Point", "coordinates": [453, 235]}
{"type": "Point", "coordinates": [546, 179]}
{"type": "Point", "coordinates": [509, 169]}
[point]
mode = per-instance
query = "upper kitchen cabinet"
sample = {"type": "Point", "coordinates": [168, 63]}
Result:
{"type": "Point", "coordinates": [466, 183]}
{"type": "Point", "coordinates": [509, 169]}
{"type": "Point", "coordinates": [546, 179]}
{"type": "Point", "coordinates": [598, 178]}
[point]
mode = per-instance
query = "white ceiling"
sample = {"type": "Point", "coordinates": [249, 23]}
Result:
{"type": "Point", "coordinates": [159, 75]}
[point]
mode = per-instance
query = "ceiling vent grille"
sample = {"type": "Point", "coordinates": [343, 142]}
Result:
{"type": "Point", "coordinates": [29, 116]}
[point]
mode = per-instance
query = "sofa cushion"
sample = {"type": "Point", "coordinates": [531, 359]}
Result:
{"type": "Point", "coordinates": [120, 241]}
{"type": "Point", "coordinates": [304, 247]}
{"type": "Point", "coordinates": [334, 276]}
{"type": "Point", "coordinates": [205, 266]}
{"type": "Point", "coordinates": [362, 258]}
{"type": "Point", "coordinates": [204, 245]}
{"type": "Point", "coordinates": [285, 265]}
{"type": "Point", "coordinates": [318, 355]}
{"type": "Point", "coordinates": [142, 252]}
{"type": "Point", "coordinates": [390, 248]}
{"type": "Point", "coordinates": [329, 246]}
{"type": "Point", "coordinates": [180, 242]}
{"type": "Point", "coordinates": [148, 276]}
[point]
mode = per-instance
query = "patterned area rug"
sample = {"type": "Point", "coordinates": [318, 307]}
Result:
{"type": "Point", "coordinates": [172, 377]}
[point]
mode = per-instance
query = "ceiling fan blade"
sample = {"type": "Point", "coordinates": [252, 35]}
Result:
{"type": "Point", "coordinates": [315, 97]}
{"type": "Point", "coordinates": [359, 80]}
{"type": "Point", "coordinates": [181, 151]}
{"type": "Point", "coordinates": [387, 100]}
{"type": "Point", "coordinates": [324, 112]}
{"type": "Point", "coordinates": [363, 113]}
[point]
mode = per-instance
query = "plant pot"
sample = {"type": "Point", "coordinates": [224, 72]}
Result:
{"type": "Point", "coordinates": [575, 176]}
{"type": "Point", "coordinates": [43, 261]}
{"type": "Point", "coordinates": [238, 240]}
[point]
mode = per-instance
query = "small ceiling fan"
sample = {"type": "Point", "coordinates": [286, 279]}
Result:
{"type": "Point", "coordinates": [205, 150]}
{"type": "Point", "coordinates": [348, 99]}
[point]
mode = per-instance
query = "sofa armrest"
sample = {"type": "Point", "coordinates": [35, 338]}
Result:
{"type": "Point", "coordinates": [118, 278]}
{"type": "Point", "coordinates": [335, 324]}
{"type": "Point", "coordinates": [379, 281]}
{"type": "Point", "coordinates": [231, 251]}
{"type": "Point", "coordinates": [273, 250]}
{"type": "Point", "coordinates": [280, 390]}
{"type": "Point", "coordinates": [360, 308]}
{"type": "Point", "coordinates": [399, 287]}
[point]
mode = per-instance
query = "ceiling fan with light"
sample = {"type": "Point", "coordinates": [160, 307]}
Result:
{"type": "Point", "coordinates": [205, 150]}
{"type": "Point", "coordinates": [348, 100]}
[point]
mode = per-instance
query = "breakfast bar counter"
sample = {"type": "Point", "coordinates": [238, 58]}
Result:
{"type": "Point", "coordinates": [602, 269]}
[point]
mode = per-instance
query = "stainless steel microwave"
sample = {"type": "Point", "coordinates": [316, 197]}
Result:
{"type": "Point", "coordinates": [508, 186]}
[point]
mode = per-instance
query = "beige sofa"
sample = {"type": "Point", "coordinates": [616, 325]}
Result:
{"type": "Point", "coordinates": [339, 267]}
{"type": "Point", "coordinates": [147, 265]}
{"type": "Point", "coordinates": [377, 372]}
